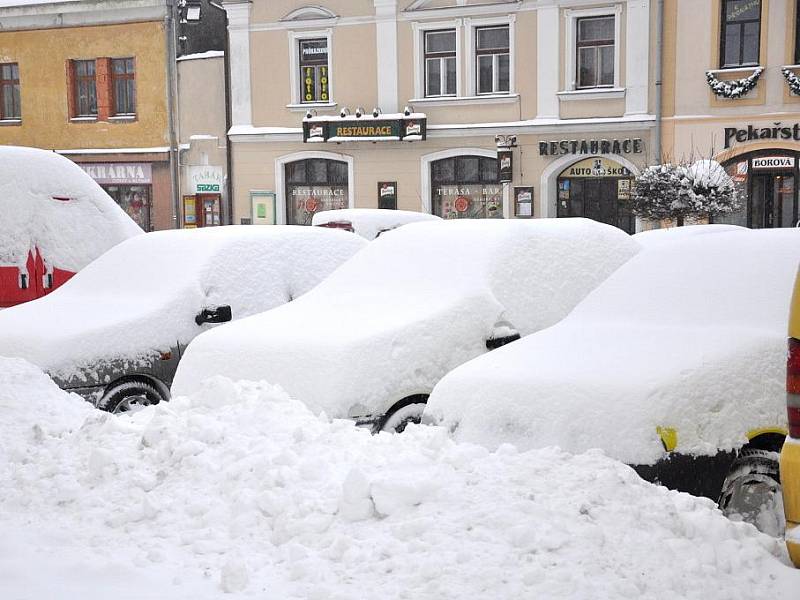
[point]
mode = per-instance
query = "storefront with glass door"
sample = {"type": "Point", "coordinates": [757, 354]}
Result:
{"type": "Point", "coordinates": [767, 183]}
{"type": "Point", "coordinates": [130, 185]}
{"type": "Point", "coordinates": [313, 185]}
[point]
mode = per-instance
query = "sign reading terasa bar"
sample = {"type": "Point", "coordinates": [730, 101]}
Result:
{"type": "Point", "coordinates": [368, 129]}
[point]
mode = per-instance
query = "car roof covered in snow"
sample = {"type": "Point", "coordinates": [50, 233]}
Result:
{"type": "Point", "coordinates": [688, 336]}
{"type": "Point", "coordinates": [370, 222]}
{"type": "Point", "coordinates": [143, 294]}
{"type": "Point", "coordinates": [48, 202]}
{"type": "Point", "coordinates": [666, 235]}
{"type": "Point", "coordinates": [412, 305]}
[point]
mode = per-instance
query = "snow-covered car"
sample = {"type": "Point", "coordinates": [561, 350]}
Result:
{"type": "Point", "coordinates": [55, 221]}
{"type": "Point", "coordinates": [667, 235]}
{"type": "Point", "coordinates": [674, 365]}
{"type": "Point", "coordinates": [371, 341]}
{"type": "Point", "coordinates": [116, 332]}
{"type": "Point", "coordinates": [369, 223]}
{"type": "Point", "coordinates": [790, 454]}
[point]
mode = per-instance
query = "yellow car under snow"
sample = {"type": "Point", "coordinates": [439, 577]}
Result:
{"type": "Point", "coordinates": [790, 455]}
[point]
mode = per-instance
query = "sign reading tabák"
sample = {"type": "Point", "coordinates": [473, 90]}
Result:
{"type": "Point", "coordinates": [383, 128]}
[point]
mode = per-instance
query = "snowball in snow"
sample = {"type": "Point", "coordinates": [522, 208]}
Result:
{"type": "Point", "coordinates": [48, 202]}
{"type": "Point", "coordinates": [227, 512]}
{"type": "Point", "coordinates": [371, 222]}
{"type": "Point", "coordinates": [689, 335]}
{"type": "Point", "coordinates": [414, 304]}
{"type": "Point", "coordinates": [143, 295]}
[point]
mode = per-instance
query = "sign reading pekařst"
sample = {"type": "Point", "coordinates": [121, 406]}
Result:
{"type": "Point", "coordinates": [753, 133]}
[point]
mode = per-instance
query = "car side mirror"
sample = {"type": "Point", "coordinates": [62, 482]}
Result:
{"type": "Point", "coordinates": [220, 314]}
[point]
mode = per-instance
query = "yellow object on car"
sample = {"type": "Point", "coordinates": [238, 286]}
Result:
{"type": "Point", "coordinates": [790, 454]}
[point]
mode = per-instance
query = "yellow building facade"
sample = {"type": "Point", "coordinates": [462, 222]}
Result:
{"type": "Point", "coordinates": [91, 83]}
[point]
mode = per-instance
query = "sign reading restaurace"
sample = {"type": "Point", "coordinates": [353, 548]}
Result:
{"type": "Point", "coordinates": [385, 128]}
{"type": "Point", "coordinates": [626, 146]}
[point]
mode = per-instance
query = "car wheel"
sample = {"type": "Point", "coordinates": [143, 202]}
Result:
{"type": "Point", "coordinates": [123, 397]}
{"type": "Point", "coordinates": [752, 491]}
{"type": "Point", "coordinates": [397, 421]}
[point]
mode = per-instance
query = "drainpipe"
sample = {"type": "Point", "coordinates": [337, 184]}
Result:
{"type": "Point", "coordinates": [172, 110]}
{"type": "Point", "coordinates": [659, 71]}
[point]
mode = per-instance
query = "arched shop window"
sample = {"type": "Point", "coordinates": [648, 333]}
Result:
{"type": "Point", "coordinates": [313, 185]}
{"type": "Point", "coordinates": [767, 181]}
{"type": "Point", "coordinates": [597, 188]}
{"type": "Point", "coordinates": [466, 187]}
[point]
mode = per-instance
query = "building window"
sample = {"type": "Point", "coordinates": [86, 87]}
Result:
{"type": "Point", "coordinates": [595, 51]}
{"type": "Point", "coordinates": [313, 185]}
{"type": "Point", "coordinates": [314, 70]}
{"type": "Point", "coordinates": [466, 187]}
{"type": "Point", "coordinates": [9, 91]}
{"type": "Point", "coordinates": [492, 59]}
{"type": "Point", "coordinates": [797, 33]}
{"type": "Point", "coordinates": [440, 63]}
{"type": "Point", "coordinates": [123, 78]}
{"type": "Point", "coordinates": [741, 33]}
{"type": "Point", "coordinates": [84, 88]}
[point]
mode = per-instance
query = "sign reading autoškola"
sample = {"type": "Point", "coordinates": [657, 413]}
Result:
{"type": "Point", "coordinates": [389, 128]}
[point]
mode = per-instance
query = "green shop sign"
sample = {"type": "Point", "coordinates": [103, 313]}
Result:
{"type": "Point", "coordinates": [365, 129]}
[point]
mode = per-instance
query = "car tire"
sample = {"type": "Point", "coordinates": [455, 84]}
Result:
{"type": "Point", "coordinates": [397, 421]}
{"type": "Point", "coordinates": [120, 398]}
{"type": "Point", "coordinates": [751, 491]}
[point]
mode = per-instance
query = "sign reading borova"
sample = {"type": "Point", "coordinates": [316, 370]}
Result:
{"type": "Point", "coordinates": [384, 128]}
{"type": "Point", "coordinates": [773, 162]}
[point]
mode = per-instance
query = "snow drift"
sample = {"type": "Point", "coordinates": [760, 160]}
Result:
{"type": "Point", "coordinates": [47, 201]}
{"type": "Point", "coordinates": [411, 306]}
{"type": "Point", "coordinates": [239, 488]}
{"type": "Point", "coordinates": [689, 335]}
{"type": "Point", "coordinates": [143, 295]}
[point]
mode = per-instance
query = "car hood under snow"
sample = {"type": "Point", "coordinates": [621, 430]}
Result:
{"type": "Point", "coordinates": [688, 336]}
{"type": "Point", "coordinates": [414, 304]}
{"type": "Point", "coordinates": [142, 296]}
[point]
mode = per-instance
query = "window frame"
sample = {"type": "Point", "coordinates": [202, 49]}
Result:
{"type": "Point", "coordinates": [597, 45]}
{"type": "Point", "coordinates": [295, 38]}
{"type": "Point", "coordinates": [442, 57]}
{"type": "Point", "coordinates": [419, 29]}
{"type": "Point", "coordinates": [740, 24]}
{"type": "Point", "coordinates": [472, 27]}
{"type": "Point", "coordinates": [571, 67]}
{"type": "Point", "coordinates": [321, 69]}
{"type": "Point", "coordinates": [797, 32]}
{"type": "Point", "coordinates": [14, 82]}
{"type": "Point", "coordinates": [76, 83]}
{"type": "Point", "coordinates": [125, 77]}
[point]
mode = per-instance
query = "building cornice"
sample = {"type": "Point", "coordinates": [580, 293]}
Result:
{"type": "Point", "coordinates": [80, 14]}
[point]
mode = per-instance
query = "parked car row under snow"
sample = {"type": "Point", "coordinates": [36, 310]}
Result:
{"type": "Point", "coordinates": [666, 353]}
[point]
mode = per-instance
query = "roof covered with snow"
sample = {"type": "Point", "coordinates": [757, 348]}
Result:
{"type": "Point", "coordinates": [689, 335]}
{"type": "Point", "coordinates": [370, 222]}
{"type": "Point", "coordinates": [415, 303]}
{"type": "Point", "coordinates": [49, 202]}
{"type": "Point", "coordinates": [142, 295]}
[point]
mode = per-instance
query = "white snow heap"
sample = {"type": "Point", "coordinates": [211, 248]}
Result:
{"type": "Point", "coordinates": [240, 488]}
{"type": "Point", "coordinates": [708, 173]}
{"type": "Point", "coordinates": [411, 306]}
{"type": "Point", "coordinates": [369, 222]}
{"type": "Point", "coordinates": [689, 335]}
{"type": "Point", "coordinates": [142, 296]}
{"type": "Point", "coordinates": [667, 235]}
{"type": "Point", "coordinates": [48, 202]}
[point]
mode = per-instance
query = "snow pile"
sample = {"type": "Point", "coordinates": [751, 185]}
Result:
{"type": "Point", "coordinates": [143, 295]}
{"type": "Point", "coordinates": [708, 174]}
{"type": "Point", "coordinates": [238, 488]}
{"type": "Point", "coordinates": [49, 202]}
{"type": "Point", "coordinates": [667, 235]}
{"type": "Point", "coordinates": [689, 335]}
{"type": "Point", "coordinates": [369, 222]}
{"type": "Point", "coordinates": [414, 304]}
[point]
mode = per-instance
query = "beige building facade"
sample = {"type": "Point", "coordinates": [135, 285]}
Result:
{"type": "Point", "coordinates": [404, 104]}
{"type": "Point", "coordinates": [731, 94]}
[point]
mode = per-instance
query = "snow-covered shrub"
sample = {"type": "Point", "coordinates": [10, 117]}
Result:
{"type": "Point", "coordinates": [678, 191]}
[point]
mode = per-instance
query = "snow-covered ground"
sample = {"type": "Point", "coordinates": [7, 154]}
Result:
{"type": "Point", "coordinates": [239, 488]}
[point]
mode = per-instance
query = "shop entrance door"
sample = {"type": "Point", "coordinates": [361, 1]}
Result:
{"type": "Point", "coordinates": [209, 209]}
{"type": "Point", "coordinates": [773, 202]}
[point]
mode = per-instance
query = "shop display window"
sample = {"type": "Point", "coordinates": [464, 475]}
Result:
{"type": "Point", "coordinates": [314, 185]}
{"type": "Point", "coordinates": [134, 200]}
{"type": "Point", "coordinates": [465, 187]}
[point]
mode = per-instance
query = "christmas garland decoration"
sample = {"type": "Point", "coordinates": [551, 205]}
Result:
{"type": "Point", "coordinates": [735, 88]}
{"type": "Point", "coordinates": [793, 81]}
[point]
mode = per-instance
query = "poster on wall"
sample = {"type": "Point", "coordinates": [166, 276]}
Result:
{"type": "Point", "coordinates": [189, 212]}
{"type": "Point", "coordinates": [505, 160]}
{"type": "Point", "coordinates": [523, 201]}
{"type": "Point", "coordinates": [387, 194]}
{"type": "Point", "coordinates": [262, 207]}
{"type": "Point", "coordinates": [623, 189]}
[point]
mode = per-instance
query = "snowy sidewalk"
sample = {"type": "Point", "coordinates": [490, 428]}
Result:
{"type": "Point", "coordinates": [239, 488]}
